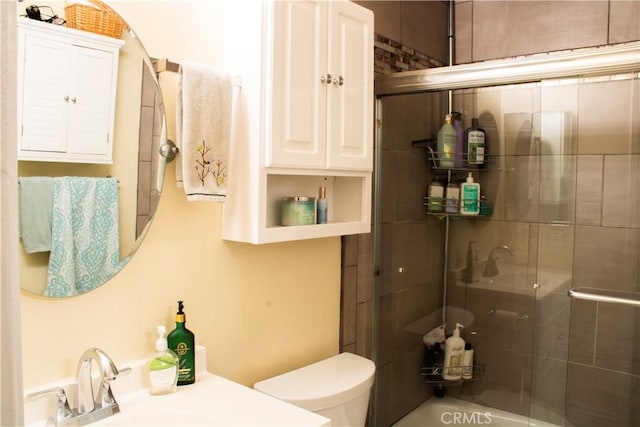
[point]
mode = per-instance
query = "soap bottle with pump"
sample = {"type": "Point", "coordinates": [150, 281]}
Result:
{"type": "Point", "coordinates": [447, 144]}
{"type": "Point", "coordinates": [163, 367]}
{"type": "Point", "coordinates": [470, 197]}
{"type": "Point", "coordinates": [453, 355]}
{"type": "Point", "coordinates": [182, 342]}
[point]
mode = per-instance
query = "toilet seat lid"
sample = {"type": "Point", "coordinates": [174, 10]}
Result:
{"type": "Point", "coordinates": [324, 384]}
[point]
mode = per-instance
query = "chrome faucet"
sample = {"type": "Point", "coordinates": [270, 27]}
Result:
{"type": "Point", "coordinates": [85, 398]}
{"type": "Point", "coordinates": [490, 267]}
{"type": "Point", "coordinates": [88, 409]}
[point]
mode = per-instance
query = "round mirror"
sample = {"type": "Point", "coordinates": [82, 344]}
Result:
{"type": "Point", "coordinates": [134, 177]}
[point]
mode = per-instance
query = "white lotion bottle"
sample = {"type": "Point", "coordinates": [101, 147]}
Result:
{"type": "Point", "coordinates": [470, 197]}
{"type": "Point", "coordinates": [453, 355]}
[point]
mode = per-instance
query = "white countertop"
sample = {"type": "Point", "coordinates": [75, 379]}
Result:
{"type": "Point", "coordinates": [211, 401]}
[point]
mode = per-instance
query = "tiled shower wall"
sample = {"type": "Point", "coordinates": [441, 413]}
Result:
{"type": "Point", "coordinates": [547, 356]}
{"type": "Point", "coordinates": [484, 30]}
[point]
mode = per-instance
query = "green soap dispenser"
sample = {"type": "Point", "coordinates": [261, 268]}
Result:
{"type": "Point", "coordinates": [182, 342]}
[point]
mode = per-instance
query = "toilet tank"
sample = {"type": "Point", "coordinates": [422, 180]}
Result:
{"type": "Point", "coordinates": [337, 388]}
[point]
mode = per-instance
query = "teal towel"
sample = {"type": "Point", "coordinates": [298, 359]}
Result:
{"type": "Point", "coordinates": [85, 248]}
{"type": "Point", "coordinates": [35, 204]}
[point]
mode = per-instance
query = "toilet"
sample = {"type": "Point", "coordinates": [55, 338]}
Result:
{"type": "Point", "coordinates": [337, 388]}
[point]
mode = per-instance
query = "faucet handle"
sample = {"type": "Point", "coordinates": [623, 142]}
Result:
{"type": "Point", "coordinates": [105, 395]}
{"type": "Point", "coordinates": [63, 412]}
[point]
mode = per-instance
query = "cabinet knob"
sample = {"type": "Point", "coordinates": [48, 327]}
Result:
{"type": "Point", "coordinates": [339, 81]}
{"type": "Point", "coordinates": [73, 99]}
{"type": "Point", "coordinates": [326, 79]}
{"type": "Point", "coordinates": [66, 98]}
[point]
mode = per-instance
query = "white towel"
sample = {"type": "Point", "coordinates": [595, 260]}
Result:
{"type": "Point", "coordinates": [203, 130]}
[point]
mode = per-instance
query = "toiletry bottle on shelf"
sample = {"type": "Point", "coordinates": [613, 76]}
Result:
{"type": "Point", "coordinates": [321, 207]}
{"type": "Point", "coordinates": [182, 342]}
{"type": "Point", "coordinates": [453, 355]}
{"type": "Point", "coordinates": [435, 197]}
{"type": "Point", "coordinates": [452, 204]}
{"type": "Point", "coordinates": [467, 362]}
{"type": "Point", "coordinates": [468, 270]}
{"type": "Point", "coordinates": [163, 367]}
{"type": "Point", "coordinates": [447, 144]}
{"type": "Point", "coordinates": [470, 197]}
{"type": "Point", "coordinates": [474, 145]}
{"type": "Point", "coordinates": [457, 126]}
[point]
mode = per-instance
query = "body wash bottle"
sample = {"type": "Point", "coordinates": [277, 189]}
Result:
{"type": "Point", "coordinates": [470, 197]}
{"type": "Point", "coordinates": [182, 342]}
{"type": "Point", "coordinates": [467, 362]}
{"type": "Point", "coordinates": [163, 367]}
{"type": "Point", "coordinates": [321, 207]}
{"type": "Point", "coordinates": [447, 144]}
{"type": "Point", "coordinates": [475, 145]}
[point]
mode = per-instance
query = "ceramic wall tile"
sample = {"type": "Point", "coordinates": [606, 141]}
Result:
{"type": "Point", "coordinates": [605, 112]}
{"type": "Point", "coordinates": [607, 258]}
{"type": "Point", "coordinates": [598, 397]}
{"type": "Point", "coordinates": [589, 190]}
{"type": "Point", "coordinates": [430, 38]}
{"type": "Point", "coordinates": [621, 192]}
{"type": "Point", "coordinates": [583, 331]}
{"type": "Point", "coordinates": [623, 21]}
{"type": "Point", "coordinates": [617, 337]}
{"type": "Point", "coordinates": [557, 26]}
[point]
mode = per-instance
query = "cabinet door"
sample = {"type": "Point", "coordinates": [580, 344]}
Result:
{"type": "Point", "coordinates": [45, 99]}
{"type": "Point", "coordinates": [298, 93]}
{"type": "Point", "coordinates": [350, 97]}
{"type": "Point", "coordinates": [90, 91]}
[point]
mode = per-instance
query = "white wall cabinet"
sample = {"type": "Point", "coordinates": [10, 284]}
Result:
{"type": "Point", "coordinates": [67, 81]}
{"type": "Point", "coordinates": [303, 119]}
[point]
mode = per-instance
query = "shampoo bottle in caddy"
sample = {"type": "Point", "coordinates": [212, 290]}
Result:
{"type": "Point", "coordinates": [182, 342]}
{"type": "Point", "coordinates": [475, 140]}
{"type": "Point", "coordinates": [467, 362]}
{"type": "Point", "coordinates": [163, 366]}
{"type": "Point", "coordinates": [447, 144]}
{"type": "Point", "coordinates": [453, 355]}
{"type": "Point", "coordinates": [470, 197]}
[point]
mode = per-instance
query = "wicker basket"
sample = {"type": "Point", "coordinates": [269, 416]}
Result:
{"type": "Point", "coordinates": [99, 21]}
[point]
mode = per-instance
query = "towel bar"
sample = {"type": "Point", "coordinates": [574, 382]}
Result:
{"type": "Point", "coordinates": [163, 64]}
{"type": "Point", "coordinates": [604, 295]}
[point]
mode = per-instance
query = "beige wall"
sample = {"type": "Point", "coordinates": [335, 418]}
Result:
{"type": "Point", "coordinates": [259, 310]}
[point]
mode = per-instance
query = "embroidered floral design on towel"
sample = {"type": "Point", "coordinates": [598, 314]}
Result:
{"type": "Point", "coordinates": [205, 166]}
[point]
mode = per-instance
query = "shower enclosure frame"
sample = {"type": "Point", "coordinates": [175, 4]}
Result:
{"type": "Point", "coordinates": [605, 60]}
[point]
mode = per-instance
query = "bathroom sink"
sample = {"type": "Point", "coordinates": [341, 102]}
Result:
{"type": "Point", "coordinates": [211, 401]}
